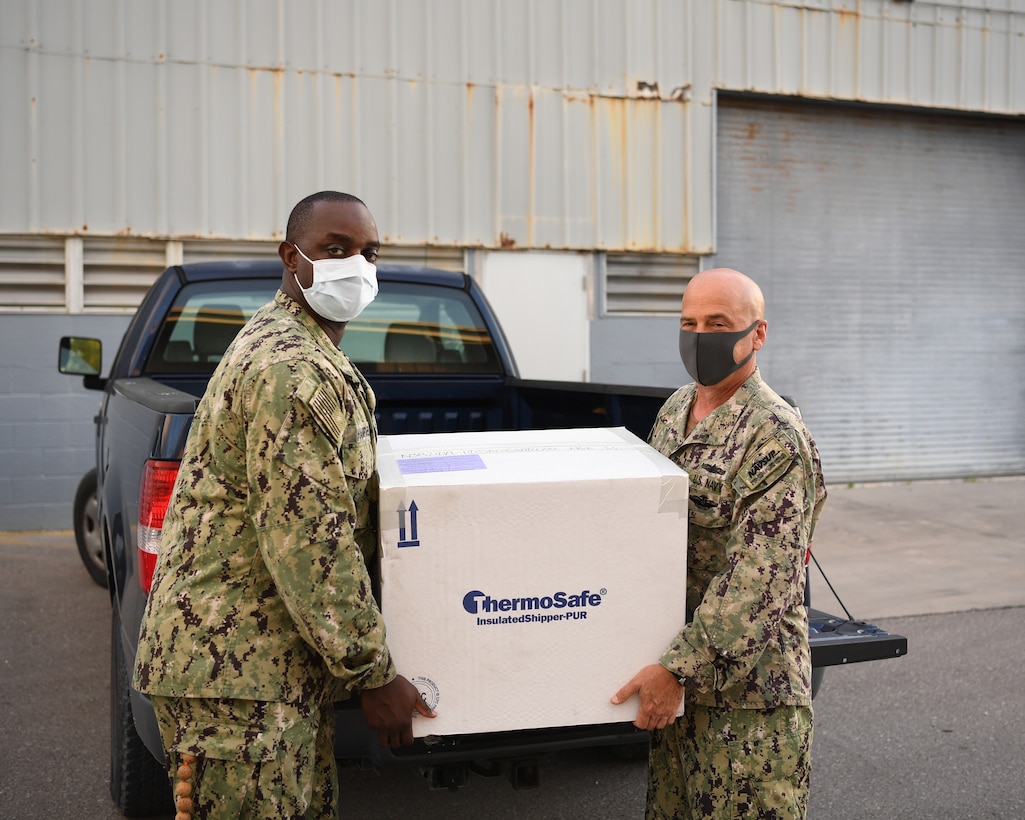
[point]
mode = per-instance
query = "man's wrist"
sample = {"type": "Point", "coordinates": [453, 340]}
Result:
{"type": "Point", "coordinates": [680, 679]}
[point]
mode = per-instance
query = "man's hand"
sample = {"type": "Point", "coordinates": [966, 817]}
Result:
{"type": "Point", "coordinates": [660, 693]}
{"type": "Point", "coordinates": [388, 710]}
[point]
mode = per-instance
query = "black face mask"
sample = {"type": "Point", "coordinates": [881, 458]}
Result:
{"type": "Point", "coordinates": [708, 357]}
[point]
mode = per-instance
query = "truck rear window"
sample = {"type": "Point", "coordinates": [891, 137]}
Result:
{"type": "Point", "coordinates": [204, 319]}
{"type": "Point", "coordinates": [409, 328]}
{"type": "Point", "coordinates": [414, 328]}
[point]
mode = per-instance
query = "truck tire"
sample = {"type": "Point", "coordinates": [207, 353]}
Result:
{"type": "Point", "coordinates": [87, 529]}
{"type": "Point", "coordinates": [138, 783]}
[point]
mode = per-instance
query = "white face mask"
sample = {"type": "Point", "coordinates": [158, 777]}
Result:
{"type": "Point", "coordinates": [342, 288]}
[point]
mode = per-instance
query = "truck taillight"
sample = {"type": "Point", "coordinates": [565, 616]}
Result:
{"type": "Point", "coordinates": [154, 496]}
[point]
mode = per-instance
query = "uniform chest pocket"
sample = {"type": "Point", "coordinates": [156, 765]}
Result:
{"type": "Point", "coordinates": [357, 451]}
{"type": "Point", "coordinates": [709, 507]}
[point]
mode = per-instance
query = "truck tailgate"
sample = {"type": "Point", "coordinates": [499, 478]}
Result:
{"type": "Point", "coordinates": [836, 641]}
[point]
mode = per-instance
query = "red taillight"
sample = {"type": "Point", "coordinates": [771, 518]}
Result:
{"type": "Point", "coordinates": [154, 495]}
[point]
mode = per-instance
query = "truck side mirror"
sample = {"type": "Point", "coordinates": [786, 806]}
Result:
{"type": "Point", "coordinates": [80, 356]}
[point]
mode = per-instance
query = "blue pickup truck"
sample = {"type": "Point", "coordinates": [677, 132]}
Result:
{"type": "Point", "coordinates": [437, 359]}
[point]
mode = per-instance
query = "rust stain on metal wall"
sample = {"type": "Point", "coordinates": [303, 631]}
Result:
{"type": "Point", "coordinates": [531, 169]}
{"type": "Point", "coordinates": [627, 155]}
{"type": "Point", "coordinates": [847, 18]}
{"type": "Point", "coordinates": [278, 77]}
{"type": "Point", "coordinates": [849, 33]}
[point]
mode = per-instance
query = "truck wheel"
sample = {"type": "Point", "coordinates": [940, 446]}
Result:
{"type": "Point", "coordinates": [138, 783]}
{"type": "Point", "coordinates": [87, 529]}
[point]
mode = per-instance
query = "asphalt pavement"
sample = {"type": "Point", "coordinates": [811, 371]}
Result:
{"type": "Point", "coordinates": [933, 734]}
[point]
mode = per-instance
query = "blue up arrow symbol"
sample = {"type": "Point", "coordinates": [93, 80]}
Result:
{"type": "Point", "coordinates": [412, 541]}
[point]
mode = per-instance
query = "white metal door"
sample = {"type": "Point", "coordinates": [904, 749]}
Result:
{"type": "Point", "coordinates": [542, 300]}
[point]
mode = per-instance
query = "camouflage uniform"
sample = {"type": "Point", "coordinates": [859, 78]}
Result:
{"type": "Point", "coordinates": [261, 612]}
{"type": "Point", "coordinates": [742, 748]}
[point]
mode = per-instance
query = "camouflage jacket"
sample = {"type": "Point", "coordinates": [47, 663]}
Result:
{"type": "Point", "coordinates": [261, 589]}
{"type": "Point", "coordinates": [756, 490]}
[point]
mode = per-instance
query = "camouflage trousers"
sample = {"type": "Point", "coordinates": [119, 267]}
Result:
{"type": "Point", "coordinates": [731, 763]}
{"type": "Point", "coordinates": [255, 759]}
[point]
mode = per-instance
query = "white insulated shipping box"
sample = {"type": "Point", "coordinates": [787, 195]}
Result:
{"type": "Point", "coordinates": [526, 576]}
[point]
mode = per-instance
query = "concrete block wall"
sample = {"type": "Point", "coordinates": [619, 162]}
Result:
{"type": "Point", "coordinates": [47, 436]}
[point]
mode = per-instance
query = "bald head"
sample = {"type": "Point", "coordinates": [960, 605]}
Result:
{"type": "Point", "coordinates": [738, 295]}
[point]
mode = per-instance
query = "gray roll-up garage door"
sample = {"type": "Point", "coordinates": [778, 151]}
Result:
{"type": "Point", "coordinates": [890, 245]}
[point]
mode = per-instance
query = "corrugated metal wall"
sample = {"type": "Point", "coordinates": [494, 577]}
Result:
{"type": "Point", "coordinates": [459, 123]}
{"type": "Point", "coordinates": [957, 54]}
{"type": "Point", "coordinates": [534, 123]}
{"type": "Point", "coordinates": [890, 249]}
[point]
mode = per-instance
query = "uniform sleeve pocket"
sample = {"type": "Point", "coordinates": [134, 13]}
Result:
{"type": "Point", "coordinates": [311, 437]}
{"type": "Point", "coordinates": [347, 430]}
{"type": "Point", "coordinates": [324, 408]}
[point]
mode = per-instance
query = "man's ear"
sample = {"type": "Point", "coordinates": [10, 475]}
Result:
{"type": "Point", "coordinates": [289, 256]}
{"type": "Point", "coordinates": [760, 331]}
